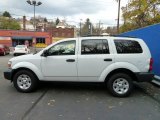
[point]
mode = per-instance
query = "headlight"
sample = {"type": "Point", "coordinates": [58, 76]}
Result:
{"type": "Point", "coordinates": [9, 64]}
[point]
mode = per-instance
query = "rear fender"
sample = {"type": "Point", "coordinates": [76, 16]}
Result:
{"type": "Point", "coordinates": [117, 65]}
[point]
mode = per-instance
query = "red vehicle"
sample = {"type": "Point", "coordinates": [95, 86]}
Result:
{"type": "Point", "coordinates": [4, 49]}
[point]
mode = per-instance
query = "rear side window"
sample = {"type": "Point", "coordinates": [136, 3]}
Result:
{"type": "Point", "coordinates": [127, 46]}
{"type": "Point", "coordinates": [95, 46]}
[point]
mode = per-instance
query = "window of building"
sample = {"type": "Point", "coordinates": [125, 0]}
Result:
{"type": "Point", "coordinates": [40, 40]}
{"type": "Point", "coordinates": [94, 47]}
{"type": "Point", "coordinates": [127, 46]}
{"type": "Point", "coordinates": [63, 48]}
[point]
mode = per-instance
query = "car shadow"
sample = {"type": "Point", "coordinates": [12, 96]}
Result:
{"type": "Point", "coordinates": [78, 87]}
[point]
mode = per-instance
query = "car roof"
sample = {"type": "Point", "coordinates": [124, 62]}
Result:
{"type": "Point", "coordinates": [101, 37]}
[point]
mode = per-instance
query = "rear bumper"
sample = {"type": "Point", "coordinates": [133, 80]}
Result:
{"type": "Point", "coordinates": [8, 74]}
{"type": "Point", "coordinates": [144, 77]}
{"type": "Point", "coordinates": [20, 52]}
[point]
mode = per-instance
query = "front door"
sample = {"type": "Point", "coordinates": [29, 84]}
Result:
{"type": "Point", "coordinates": [61, 62]}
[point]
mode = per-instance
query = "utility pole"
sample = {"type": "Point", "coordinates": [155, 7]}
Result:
{"type": "Point", "coordinates": [80, 33]}
{"type": "Point", "coordinates": [90, 28]}
{"type": "Point", "coordinates": [34, 3]}
{"type": "Point", "coordinates": [99, 27]}
{"type": "Point", "coordinates": [119, 5]}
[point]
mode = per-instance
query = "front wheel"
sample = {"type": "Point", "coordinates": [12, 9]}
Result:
{"type": "Point", "coordinates": [25, 81]}
{"type": "Point", "coordinates": [120, 85]}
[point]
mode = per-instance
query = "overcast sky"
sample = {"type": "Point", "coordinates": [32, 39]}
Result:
{"type": "Point", "coordinates": [70, 10]}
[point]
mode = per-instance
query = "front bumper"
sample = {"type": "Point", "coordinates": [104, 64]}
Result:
{"type": "Point", "coordinates": [144, 77]}
{"type": "Point", "coordinates": [8, 74]}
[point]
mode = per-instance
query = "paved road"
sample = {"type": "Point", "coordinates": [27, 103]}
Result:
{"type": "Point", "coordinates": [70, 101]}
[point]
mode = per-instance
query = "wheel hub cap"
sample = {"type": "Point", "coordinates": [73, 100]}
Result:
{"type": "Point", "coordinates": [120, 86]}
{"type": "Point", "coordinates": [24, 81]}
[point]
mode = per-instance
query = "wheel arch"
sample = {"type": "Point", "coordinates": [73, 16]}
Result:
{"type": "Point", "coordinates": [121, 70]}
{"type": "Point", "coordinates": [22, 68]}
{"type": "Point", "coordinates": [29, 66]}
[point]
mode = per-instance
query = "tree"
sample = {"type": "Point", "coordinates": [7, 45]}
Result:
{"type": "Point", "coordinates": [140, 13]}
{"type": "Point", "coordinates": [57, 21]}
{"type": "Point", "coordinates": [8, 23]}
{"type": "Point", "coordinates": [45, 20]}
{"type": "Point", "coordinates": [87, 28]}
{"type": "Point", "coordinates": [6, 14]}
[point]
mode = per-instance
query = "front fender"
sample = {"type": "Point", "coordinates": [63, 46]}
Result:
{"type": "Point", "coordinates": [115, 66]}
{"type": "Point", "coordinates": [30, 66]}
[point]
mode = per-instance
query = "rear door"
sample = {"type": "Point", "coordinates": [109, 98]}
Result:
{"type": "Point", "coordinates": [94, 56]}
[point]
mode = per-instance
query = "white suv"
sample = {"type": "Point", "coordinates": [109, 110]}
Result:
{"type": "Point", "coordinates": [116, 61]}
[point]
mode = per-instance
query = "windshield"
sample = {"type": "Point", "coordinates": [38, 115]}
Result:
{"type": "Point", "coordinates": [20, 46]}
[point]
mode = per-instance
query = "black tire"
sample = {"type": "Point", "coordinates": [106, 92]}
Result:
{"type": "Point", "coordinates": [120, 85]}
{"type": "Point", "coordinates": [15, 54]}
{"type": "Point", "coordinates": [25, 78]}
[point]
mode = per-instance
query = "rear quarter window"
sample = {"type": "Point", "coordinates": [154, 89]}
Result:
{"type": "Point", "coordinates": [127, 46]}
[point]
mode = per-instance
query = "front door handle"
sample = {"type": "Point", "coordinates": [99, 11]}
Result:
{"type": "Point", "coordinates": [108, 59]}
{"type": "Point", "coordinates": [70, 60]}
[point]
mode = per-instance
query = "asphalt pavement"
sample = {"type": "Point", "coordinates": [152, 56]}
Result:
{"type": "Point", "coordinates": [74, 101]}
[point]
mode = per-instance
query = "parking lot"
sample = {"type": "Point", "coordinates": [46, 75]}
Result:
{"type": "Point", "coordinates": [74, 101]}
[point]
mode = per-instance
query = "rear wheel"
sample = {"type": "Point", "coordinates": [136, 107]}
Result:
{"type": "Point", "coordinates": [120, 85]}
{"type": "Point", "coordinates": [25, 81]}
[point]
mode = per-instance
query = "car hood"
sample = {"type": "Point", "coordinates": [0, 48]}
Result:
{"type": "Point", "coordinates": [22, 57]}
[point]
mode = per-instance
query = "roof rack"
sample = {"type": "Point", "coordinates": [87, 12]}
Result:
{"type": "Point", "coordinates": [95, 35]}
{"type": "Point", "coordinates": [108, 35]}
{"type": "Point", "coordinates": [125, 36]}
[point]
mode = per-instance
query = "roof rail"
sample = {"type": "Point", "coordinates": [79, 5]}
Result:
{"type": "Point", "coordinates": [125, 36]}
{"type": "Point", "coordinates": [108, 35]}
{"type": "Point", "coordinates": [96, 35]}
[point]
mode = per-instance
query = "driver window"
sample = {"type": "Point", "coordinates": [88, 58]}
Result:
{"type": "Point", "coordinates": [63, 48]}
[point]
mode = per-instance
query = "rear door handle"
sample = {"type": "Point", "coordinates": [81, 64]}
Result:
{"type": "Point", "coordinates": [108, 59]}
{"type": "Point", "coordinates": [70, 60]}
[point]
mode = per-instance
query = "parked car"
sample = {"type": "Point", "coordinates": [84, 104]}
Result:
{"type": "Point", "coordinates": [21, 49]}
{"type": "Point", "coordinates": [4, 49]}
{"type": "Point", "coordinates": [116, 61]}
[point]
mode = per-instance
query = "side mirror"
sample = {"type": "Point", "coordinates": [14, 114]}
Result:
{"type": "Point", "coordinates": [45, 53]}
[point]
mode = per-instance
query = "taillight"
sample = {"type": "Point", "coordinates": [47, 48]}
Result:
{"type": "Point", "coordinates": [151, 64]}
